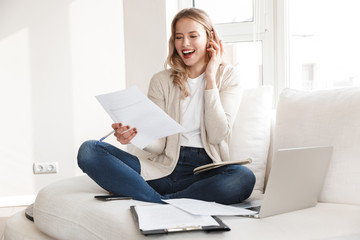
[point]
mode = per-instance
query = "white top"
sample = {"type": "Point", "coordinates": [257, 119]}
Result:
{"type": "Point", "coordinates": [191, 108]}
{"type": "Point", "coordinates": [220, 106]}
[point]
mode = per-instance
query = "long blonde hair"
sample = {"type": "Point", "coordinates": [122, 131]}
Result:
{"type": "Point", "coordinates": [179, 70]}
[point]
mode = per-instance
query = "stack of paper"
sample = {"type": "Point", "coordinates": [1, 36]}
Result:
{"type": "Point", "coordinates": [157, 217]}
{"type": "Point", "coordinates": [198, 207]}
{"type": "Point", "coordinates": [184, 215]}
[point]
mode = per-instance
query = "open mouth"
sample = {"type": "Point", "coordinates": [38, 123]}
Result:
{"type": "Point", "coordinates": [187, 53]}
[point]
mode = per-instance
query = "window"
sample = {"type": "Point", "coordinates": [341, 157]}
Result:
{"type": "Point", "coordinates": [301, 44]}
{"type": "Point", "coordinates": [241, 26]}
{"type": "Point", "coordinates": [324, 49]}
{"type": "Point", "coordinates": [249, 57]}
{"type": "Point", "coordinates": [236, 10]}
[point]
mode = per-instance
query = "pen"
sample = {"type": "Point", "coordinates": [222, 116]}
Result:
{"type": "Point", "coordinates": [102, 139]}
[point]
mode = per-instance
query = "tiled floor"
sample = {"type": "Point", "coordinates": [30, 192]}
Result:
{"type": "Point", "coordinates": [5, 213]}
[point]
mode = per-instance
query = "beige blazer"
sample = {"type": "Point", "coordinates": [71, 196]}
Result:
{"type": "Point", "coordinates": [219, 110]}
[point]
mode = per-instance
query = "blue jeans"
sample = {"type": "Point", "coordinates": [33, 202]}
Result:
{"type": "Point", "coordinates": [119, 172]}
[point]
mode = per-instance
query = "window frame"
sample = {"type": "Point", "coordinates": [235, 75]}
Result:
{"type": "Point", "coordinates": [270, 27]}
{"type": "Point", "coordinates": [260, 29]}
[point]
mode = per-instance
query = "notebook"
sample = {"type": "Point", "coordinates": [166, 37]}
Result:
{"type": "Point", "coordinates": [295, 182]}
{"type": "Point", "coordinates": [211, 166]}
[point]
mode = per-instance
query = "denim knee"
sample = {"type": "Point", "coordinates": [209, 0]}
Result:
{"type": "Point", "coordinates": [245, 181]}
{"type": "Point", "coordinates": [249, 177]}
{"type": "Point", "coordinates": [85, 152]}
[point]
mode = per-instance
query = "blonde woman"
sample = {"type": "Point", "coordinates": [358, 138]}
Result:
{"type": "Point", "coordinates": [203, 95]}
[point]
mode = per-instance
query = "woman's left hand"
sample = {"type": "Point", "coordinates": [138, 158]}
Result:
{"type": "Point", "coordinates": [216, 51]}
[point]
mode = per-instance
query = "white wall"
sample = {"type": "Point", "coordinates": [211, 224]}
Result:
{"type": "Point", "coordinates": [54, 57]}
{"type": "Point", "coordinates": [145, 39]}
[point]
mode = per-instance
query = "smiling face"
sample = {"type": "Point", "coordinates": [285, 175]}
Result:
{"type": "Point", "coordinates": [190, 44]}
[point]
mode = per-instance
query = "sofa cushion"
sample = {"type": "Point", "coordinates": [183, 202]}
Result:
{"type": "Point", "coordinates": [18, 227]}
{"type": "Point", "coordinates": [67, 210]}
{"type": "Point", "coordinates": [251, 131]}
{"type": "Point", "coordinates": [328, 117]}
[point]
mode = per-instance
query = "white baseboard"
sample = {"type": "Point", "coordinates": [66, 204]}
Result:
{"type": "Point", "coordinates": [14, 201]}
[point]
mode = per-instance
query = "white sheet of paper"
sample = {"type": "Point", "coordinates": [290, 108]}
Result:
{"type": "Point", "coordinates": [198, 207]}
{"type": "Point", "coordinates": [165, 216]}
{"type": "Point", "coordinates": [131, 107]}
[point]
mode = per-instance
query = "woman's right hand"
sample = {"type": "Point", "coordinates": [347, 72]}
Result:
{"type": "Point", "coordinates": [124, 134]}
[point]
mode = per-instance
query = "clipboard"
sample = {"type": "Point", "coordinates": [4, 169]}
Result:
{"type": "Point", "coordinates": [220, 227]}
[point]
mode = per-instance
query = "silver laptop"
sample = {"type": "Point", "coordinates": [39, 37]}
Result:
{"type": "Point", "coordinates": [295, 182]}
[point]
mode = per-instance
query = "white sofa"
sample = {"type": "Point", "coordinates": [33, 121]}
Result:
{"type": "Point", "coordinates": [67, 209]}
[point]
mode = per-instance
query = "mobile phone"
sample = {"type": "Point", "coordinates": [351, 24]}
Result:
{"type": "Point", "coordinates": [111, 197]}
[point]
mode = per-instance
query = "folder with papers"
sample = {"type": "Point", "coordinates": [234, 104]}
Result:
{"type": "Point", "coordinates": [165, 218]}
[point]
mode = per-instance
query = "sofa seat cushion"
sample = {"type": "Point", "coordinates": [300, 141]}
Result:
{"type": "Point", "coordinates": [67, 210]}
{"type": "Point", "coordinates": [18, 227]}
{"type": "Point", "coordinates": [325, 118]}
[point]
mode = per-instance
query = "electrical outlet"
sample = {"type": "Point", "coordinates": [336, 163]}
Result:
{"type": "Point", "coordinates": [45, 167]}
